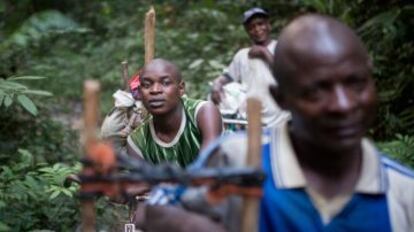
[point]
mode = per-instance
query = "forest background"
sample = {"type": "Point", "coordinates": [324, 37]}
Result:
{"type": "Point", "coordinates": [48, 48]}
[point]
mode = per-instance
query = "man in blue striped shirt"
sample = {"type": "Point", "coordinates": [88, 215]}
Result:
{"type": "Point", "coordinates": [323, 174]}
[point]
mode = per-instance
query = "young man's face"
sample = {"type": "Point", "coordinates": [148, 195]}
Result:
{"type": "Point", "coordinates": [258, 29]}
{"type": "Point", "coordinates": [332, 100]}
{"type": "Point", "coordinates": [160, 89]}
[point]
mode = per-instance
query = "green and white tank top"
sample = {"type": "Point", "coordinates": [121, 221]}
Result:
{"type": "Point", "coordinates": [182, 150]}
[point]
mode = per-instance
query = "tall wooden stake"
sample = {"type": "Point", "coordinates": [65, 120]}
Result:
{"type": "Point", "coordinates": [125, 75]}
{"type": "Point", "coordinates": [90, 98]}
{"type": "Point", "coordinates": [149, 35]}
{"type": "Point", "coordinates": [254, 132]}
{"type": "Point", "coordinates": [254, 146]}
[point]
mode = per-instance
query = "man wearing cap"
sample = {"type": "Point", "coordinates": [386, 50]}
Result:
{"type": "Point", "coordinates": [244, 76]}
{"type": "Point", "coordinates": [124, 117]}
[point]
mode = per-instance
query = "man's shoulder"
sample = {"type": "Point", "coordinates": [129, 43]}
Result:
{"type": "Point", "coordinates": [192, 104]}
{"type": "Point", "coordinates": [241, 53]}
{"type": "Point", "coordinates": [398, 173]}
{"type": "Point", "coordinates": [191, 101]}
{"type": "Point", "coordinates": [400, 194]}
{"type": "Point", "coordinates": [399, 182]}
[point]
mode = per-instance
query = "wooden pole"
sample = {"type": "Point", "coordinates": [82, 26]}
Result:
{"type": "Point", "coordinates": [91, 98]}
{"type": "Point", "coordinates": [125, 75]}
{"type": "Point", "coordinates": [254, 147]}
{"type": "Point", "coordinates": [254, 132]}
{"type": "Point", "coordinates": [149, 35]}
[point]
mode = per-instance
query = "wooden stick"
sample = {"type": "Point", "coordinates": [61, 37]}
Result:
{"type": "Point", "coordinates": [90, 98]}
{"type": "Point", "coordinates": [149, 35]}
{"type": "Point", "coordinates": [125, 74]}
{"type": "Point", "coordinates": [254, 132]}
{"type": "Point", "coordinates": [88, 216]}
{"type": "Point", "coordinates": [91, 91]}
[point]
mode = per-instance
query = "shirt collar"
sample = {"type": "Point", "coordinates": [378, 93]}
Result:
{"type": "Point", "coordinates": [288, 174]}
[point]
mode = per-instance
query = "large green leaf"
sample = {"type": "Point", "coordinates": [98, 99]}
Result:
{"type": "Point", "coordinates": [196, 63]}
{"type": "Point", "coordinates": [7, 101]}
{"type": "Point", "coordinates": [27, 78]}
{"type": "Point", "coordinates": [11, 85]}
{"type": "Point", "coordinates": [2, 96]}
{"type": "Point", "coordinates": [27, 104]}
{"type": "Point", "coordinates": [54, 195]}
{"type": "Point", "coordinates": [37, 92]}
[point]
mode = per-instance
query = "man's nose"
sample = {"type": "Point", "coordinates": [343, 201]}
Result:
{"type": "Point", "coordinates": [156, 87]}
{"type": "Point", "coordinates": [256, 28]}
{"type": "Point", "coordinates": [342, 100]}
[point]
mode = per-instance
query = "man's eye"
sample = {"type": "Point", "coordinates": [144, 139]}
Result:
{"type": "Point", "coordinates": [312, 93]}
{"type": "Point", "coordinates": [166, 83]}
{"type": "Point", "coordinates": [356, 83]}
{"type": "Point", "coordinates": [146, 85]}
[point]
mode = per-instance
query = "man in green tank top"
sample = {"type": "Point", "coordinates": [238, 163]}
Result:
{"type": "Point", "coordinates": [178, 127]}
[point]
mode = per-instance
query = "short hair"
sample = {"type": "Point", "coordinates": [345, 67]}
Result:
{"type": "Point", "coordinates": [160, 62]}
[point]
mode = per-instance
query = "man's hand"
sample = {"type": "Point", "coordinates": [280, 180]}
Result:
{"type": "Point", "coordinates": [216, 92]}
{"type": "Point", "coordinates": [261, 52]}
{"type": "Point", "coordinates": [217, 89]}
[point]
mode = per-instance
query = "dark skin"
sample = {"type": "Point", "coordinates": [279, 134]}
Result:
{"type": "Point", "coordinates": [324, 75]}
{"type": "Point", "coordinates": [258, 28]}
{"type": "Point", "coordinates": [162, 88]}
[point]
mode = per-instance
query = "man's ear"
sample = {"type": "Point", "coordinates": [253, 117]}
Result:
{"type": "Point", "coordinates": [181, 88]}
{"type": "Point", "coordinates": [278, 96]}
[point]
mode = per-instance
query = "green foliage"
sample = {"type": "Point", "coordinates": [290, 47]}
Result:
{"type": "Point", "coordinates": [33, 196]}
{"type": "Point", "coordinates": [391, 57]}
{"type": "Point", "coordinates": [10, 89]}
{"type": "Point", "coordinates": [41, 25]}
{"type": "Point", "coordinates": [401, 149]}
{"type": "Point", "coordinates": [32, 172]}
{"type": "Point", "coordinates": [70, 41]}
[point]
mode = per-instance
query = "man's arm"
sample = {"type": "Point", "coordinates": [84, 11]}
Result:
{"type": "Point", "coordinates": [175, 219]}
{"type": "Point", "coordinates": [209, 123]}
{"type": "Point", "coordinates": [132, 150]}
{"type": "Point", "coordinates": [217, 88]}
{"type": "Point", "coordinates": [261, 52]}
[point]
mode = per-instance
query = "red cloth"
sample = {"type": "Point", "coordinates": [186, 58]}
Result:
{"type": "Point", "coordinates": [134, 82]}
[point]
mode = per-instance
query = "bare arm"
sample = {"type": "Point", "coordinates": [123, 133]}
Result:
{"type": "Point", "coordinates": [217, 88]}
{"type": "Point", "coordinates": [174, 219]}
{"type": "Point", "coordinates": [209, 122]}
